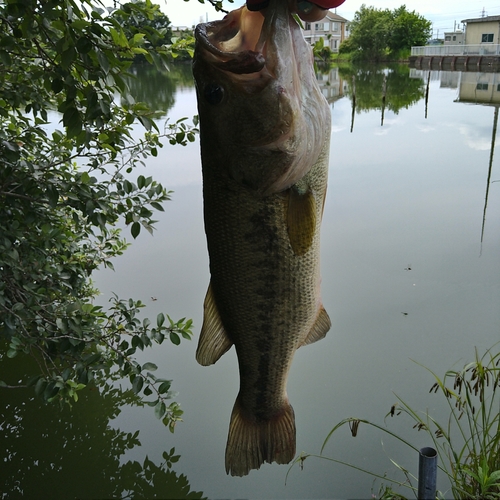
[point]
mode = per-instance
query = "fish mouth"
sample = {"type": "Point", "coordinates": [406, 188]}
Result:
{"type": "Point", "coordinates": [244, 42]}
{"type": "Point", "coordinates": [258, 93]}
{"type": "Point", "coordinates": [234, 44]}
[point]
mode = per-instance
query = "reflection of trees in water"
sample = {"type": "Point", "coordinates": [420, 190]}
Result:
{"type": "Point", "coordinates": [48, 452]}
{"type": "Point", "coordinates": [157, 88]}
{"type": "Point", "coordinates": [378, 88]}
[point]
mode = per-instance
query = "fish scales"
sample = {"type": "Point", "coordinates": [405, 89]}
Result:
{"type": "Point", "coordinates": [263, 237]}
{"type": "Point", "coordinates": [260, 284]}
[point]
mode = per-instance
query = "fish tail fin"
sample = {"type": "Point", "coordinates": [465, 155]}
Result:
{"type": "Point", "coordinates": [252, 442]}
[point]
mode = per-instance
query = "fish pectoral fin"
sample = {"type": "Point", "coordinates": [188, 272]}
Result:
{"type": "Point", "coordinates": [320, 328]}
{"type": "Point", "coordinates": [213, 342]}
{"type": "Point", "coordinates": [301, 219]}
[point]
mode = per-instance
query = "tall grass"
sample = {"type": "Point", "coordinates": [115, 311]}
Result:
{"type": "Point", "coordinates": [468, 442]}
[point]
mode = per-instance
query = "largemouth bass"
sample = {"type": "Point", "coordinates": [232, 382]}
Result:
{"type": "Point", "coordinates": [264, 132]}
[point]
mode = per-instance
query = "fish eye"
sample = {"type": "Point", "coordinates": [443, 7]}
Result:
{"type": "Point", "coordinates": [213, 93]}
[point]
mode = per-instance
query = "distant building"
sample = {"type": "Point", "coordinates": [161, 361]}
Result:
{"type": "Point", "coordinates": [482, 30]}
{"type": "Point", "coordinates": [333, 29]}
{"type": "Point", "coordinates": [179, 30]}
{"type": "Point", "coordinates": [454, 38]}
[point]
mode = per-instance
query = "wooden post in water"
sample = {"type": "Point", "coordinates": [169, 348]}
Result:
{"type": "Point", "coordinates": [492, 152]}
{"type": "Point", "coordinates": [353, 102]}
{"type": "Point", "coordinates": [427, 93]}
{"type": "Point", "coordinates": [384, 92]}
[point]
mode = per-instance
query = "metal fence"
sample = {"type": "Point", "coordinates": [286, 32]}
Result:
{"type": "Point", "coordinates": [457, 50]}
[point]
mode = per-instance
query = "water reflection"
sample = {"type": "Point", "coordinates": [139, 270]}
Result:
{"type": "Point", "coordinates": [331, 83]}
{"type": "Point", "coordinates": [406, 195]}
{"type": "Point", "coordinates": [473, 88]}
{"type": "Point", "coordinates": [370, 87]}
{"type": "Point", "coordinates": [158, 88]}
{"type": "Point", "coordinates": [48, 452]}
{"type": "Point", "coordinates": [382, 88]}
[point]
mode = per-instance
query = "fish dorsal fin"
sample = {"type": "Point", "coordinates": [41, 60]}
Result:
{"type": "Point", "coordinates": [301, 218]}
{"type": "Point", "coordinates": [320, 327]}
{"type": "Point", "coordinates": [213, 342]}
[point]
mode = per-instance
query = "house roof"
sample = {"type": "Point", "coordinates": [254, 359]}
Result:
{"type": "Point", "coordinates": [335, 17]}
{"type": "Point", "coordinates": [486, 19]}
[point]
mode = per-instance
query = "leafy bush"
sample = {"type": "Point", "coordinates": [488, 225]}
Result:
{"type": "Point", "coordinates": [62, 195]}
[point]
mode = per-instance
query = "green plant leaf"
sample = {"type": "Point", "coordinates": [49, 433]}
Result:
{"type": "Point", "coordinates": [137, 384]}
{"type": "Point", "coordinates": [160, 410]}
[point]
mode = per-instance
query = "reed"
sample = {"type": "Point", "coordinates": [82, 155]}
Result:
{"type": "Point", "coordinates": [468, 443]}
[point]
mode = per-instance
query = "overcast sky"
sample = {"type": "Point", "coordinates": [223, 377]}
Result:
{"type": "Point", "coordinates": [442, 13]}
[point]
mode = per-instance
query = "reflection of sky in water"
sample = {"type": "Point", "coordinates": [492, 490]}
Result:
{"type": "Point", "coordinates": [397, 198]}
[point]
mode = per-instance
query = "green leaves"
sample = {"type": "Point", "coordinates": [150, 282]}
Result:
{"type": "Point", "coordinates": [488, 484]}
{"type": "Point", "coordinates": [144, 382]}
{"type": "Point", "coordinates": [137, 384]}
{"type": "Point", "coordinates": [63, 194]}
{"type": "Point", "coordinates": [375, 32]}
{"type": "Point", "coordinates": [160, 409]}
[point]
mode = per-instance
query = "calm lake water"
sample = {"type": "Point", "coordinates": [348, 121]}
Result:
{"type": "Point", "coordinates": [410, 270]}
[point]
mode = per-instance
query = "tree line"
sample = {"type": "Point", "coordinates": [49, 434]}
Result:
{"type": "Point", "coordinates": [381, 34]}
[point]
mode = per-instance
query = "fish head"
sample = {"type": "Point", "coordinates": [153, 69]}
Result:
{"type": "Point", "coordinates": [263, 119]}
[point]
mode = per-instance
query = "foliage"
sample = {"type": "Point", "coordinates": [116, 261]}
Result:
{"type": "Point", "coordinates": [322, 51]}
{"type": "Point", "coordinates": [408, 29]}
{"type": "Point", "coordinates": [43, 448]}
{"type": "Point", "coordinates": [148, 21]}
{"type": "Point", "coordinates": [218, 4]}
{"type": "Point", "coordinates": [468, 443]}
{"type": "Point", "coordinates": [136, 19]}
{"type": "Point", "coordinates": [183, 46]}
{"type": "Point", "coordinates": [149, 480]}
{"type": "Point", "coordinates": [378, 34]}
{"type": "Point", "coordinates": [63, 193]}
{"type": "Point", "coordinates": [369, 32]}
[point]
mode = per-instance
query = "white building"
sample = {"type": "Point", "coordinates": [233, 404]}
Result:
{"type": "Point", "coordinates": [454, 38]}
{"type": "Point", "coordinates": [333, 29]}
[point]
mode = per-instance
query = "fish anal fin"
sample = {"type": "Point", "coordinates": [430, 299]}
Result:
{"type": "Point", "coordinates": [320, 327]}
{"type": "Point", "coordinates": [213, 342]}
{"type": "Point", "coordinates": [252, 442]}
{"type": "Point", "coordinates": [301, 219]}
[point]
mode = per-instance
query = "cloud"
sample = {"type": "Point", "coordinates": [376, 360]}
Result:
{"type": "Point", "coordinates": [474, 139]}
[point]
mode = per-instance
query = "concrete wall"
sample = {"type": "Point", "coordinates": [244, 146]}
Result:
{"type": "Point", "coordinates": [454, 38]}
{"type": "Point", "coordinates": [475, 31]}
